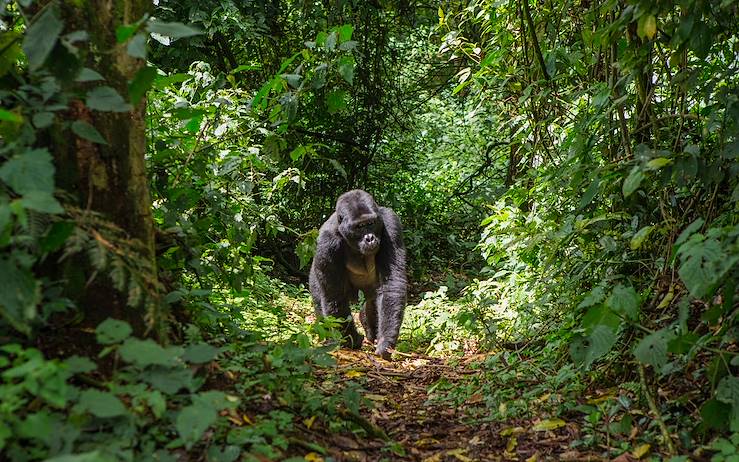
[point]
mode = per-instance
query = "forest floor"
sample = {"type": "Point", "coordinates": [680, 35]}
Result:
{"type": "Point", "coordinates": [419, 427]}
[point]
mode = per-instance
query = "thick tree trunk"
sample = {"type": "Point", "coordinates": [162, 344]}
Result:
{"type": "Point", "coordinates": [110, 180]}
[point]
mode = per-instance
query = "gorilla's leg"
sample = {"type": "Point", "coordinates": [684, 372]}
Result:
{"type": "Point", "coordinates": [340, 309]}
{"type": "Point", "coordinates": [368, 316]}
{"type": "Point", "coordinates": [392, 305]}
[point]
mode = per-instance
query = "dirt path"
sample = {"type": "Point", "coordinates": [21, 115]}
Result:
{"type": "Point", "coordinates": [431, 431]}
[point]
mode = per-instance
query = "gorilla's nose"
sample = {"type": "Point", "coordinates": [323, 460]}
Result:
{"type": "Point", "coordinates": [370, 239]}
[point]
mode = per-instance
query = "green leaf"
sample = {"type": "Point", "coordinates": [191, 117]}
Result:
{"type": "Point", "coordinates": [41, 36]}
{"type": "Point", "coordinates": [625, 301]}
{"type": "Point", "coordinates": [101, 403]}
{"type": "Point", "coordinates": [43, 119]}
{"type": "Point", "coordinates": [9, 116]}
{"type": "Point", "coordinates": [137, 47]}
{"type": "Point", "coordinates": [21, 295]}
{"type": "Point", "coordinates": [125, 32]}
{"type": "Point", "coordinates": [88, 75]}
{"type": "Point", "coordinates": [92, 456]}
{"type": "Point", "coordinates": [157, 403]}
{"type": "Point", "coordinates": [112, 331]}
{"type": "Point", "coordinates": [200, 353]}
{"type": "Point", "coordinates": [169, 380]}
{"type": "Point", "coordinates": [652, 349]}
{"type": "Point", "coordinates": [632, 182]}
{"type": "Point", "coordinates": [29, 172]}
{"type": "Point", "coordinates": [703, 264]}
{"type": "Point", "coordinates": [345, 32]}
{"type": "Point", "coordinates": [147, 352]}
{"type": "Point", "coordinates": [173, 30]}
{"type": "Point", "coordinates": [336, 101]}
{"type": "Point", "coordinates": [600, 315]}
{"type": "Point", "coordinates": [647, 26]}
{"type": "Point", "coordinates": [346, 69]}
{"type": "Point", "coordinates": [687, 232]}
{"type": "Point", "coordinates": [658, 163]}
{"type": "Point", "coordinates": [106, 99]}
{"type": "Point", "coordinates": [638, 239]}
{"type": "Point", "coordinates": [88, 132]}
{"type": "Point", "coordinates": [728, 392]}
{"type": "Point", "coordinates": [56, 236]}
{"type": "Point", "coordinates": [590, 192]}
{"type": "Point", "coordinates": [141, 83]}
{"type": "Point", "coordinates": [79, 364]}
{"type": "Point", "coordinates": [586, 349]}
{"type": "Point", "coordinates": [41, 201]}
{"type": "Point", "coordinates": [715, 414]}
{"type": "Point", "coordinates": [192, 421]}
{"type": "Point", "coordinates": [338, 167]}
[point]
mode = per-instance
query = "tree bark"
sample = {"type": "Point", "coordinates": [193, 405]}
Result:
{"type": "Point", "coordinates": [111, 179]}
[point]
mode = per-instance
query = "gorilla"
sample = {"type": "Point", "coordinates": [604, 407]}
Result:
{"type": "Point", "coordinates": [360, 247]}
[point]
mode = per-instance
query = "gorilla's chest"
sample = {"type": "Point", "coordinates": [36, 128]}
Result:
{"type": "Point", "coordinates": [362, 272]}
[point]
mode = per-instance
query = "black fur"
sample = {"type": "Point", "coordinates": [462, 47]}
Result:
{"type": "Point", "coordinates": [356, 235]}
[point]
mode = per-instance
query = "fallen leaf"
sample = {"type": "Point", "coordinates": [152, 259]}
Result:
{"type": "Point", "coordinates": [353, 374]}
{"type": "Point", "coordinates": [459, 454]}
{"type": "Point", "coordinates": [476, 398]}
{"type": "Point", "coordinates": [543, 397]}
{"type": "Point", "coordinates": [534, 457]}
{"type": "Point", "coordinates": [374, 397]}
{"type": "Point", "coordinates": [426, 442]}
{"type": "Point", "coordinates": [511, 444]}
{"type": "Point", "coordinates": [512, 431]}
{"type": "Point", "coordinates": [309, 422]}
{"type": "Point", "coordinates": [434, 458]}
{"type": "Point", "coordinates": [548, 424]}
{"type": "Point", "coordinates": [247, 419]}
{"type": "Point", "coordinates": [313, 457]}
{"type": "Point", "coordinates": [641, 451]}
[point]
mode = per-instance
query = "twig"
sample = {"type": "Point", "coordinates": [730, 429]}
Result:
{"type": "Point", "coordinates": [655, 411]}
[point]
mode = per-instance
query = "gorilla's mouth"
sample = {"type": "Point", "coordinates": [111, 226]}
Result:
{"type": "Point", "coordinates": [369, 248]}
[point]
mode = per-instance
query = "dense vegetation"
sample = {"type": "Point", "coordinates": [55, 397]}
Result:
{"type": "Point", "coordinates": [567, 174]}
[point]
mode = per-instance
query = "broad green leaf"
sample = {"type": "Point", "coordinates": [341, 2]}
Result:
{"type": "Point", "coordinates": [101, 403]}
{"type": "Point", "coordinates": [715, 414]}
{"type": "Point", "coordinates": [147, 352]}
{"type": "Point", "coordinates": [9, 116]}
{"type": "Point", "coordinates": [227, 454]}
{"type": "Point", "coordinates": [79, 364]}
{"type": "Point", "coordinates": [92, 456]}
{"type": "Point", "coordinates": [703, 264]}
{"type": "Point", "coordinates": [41, 36]}
{"type": "Point", "coordinates": [56, 236]}
{"type": "Point", "coordinates": [169, 380]}
{"type": "Point", "coordinates": [647, 26]}
{"type": "Point", "coordinates": [345, 32]}
{"type": "Point", "coordinates": [106, 99]}
{"type": "Point", "coordinates": [548, 424]}
{"type": "Point", "coordinates": [652, 349]}
{"type": "Point", "coordinates": [88, 132]}
{"type": "Point", "coordinates": [29, 172]}
{"type": "Point", "coordinates": [88, 75]}
{"type": "Point", "coordinates": [600, 315]}
{"type": "Point", "coordinates": [338, 167]}
{"type": "Point", "coordinates": [336, 101]}
{"type": "Point", "coordinates": [728, 392]}
{"type": "Point", "coordinates": [41, 201]}
{"type": "Point", "coordinates": [157, 403]}
{"type": "Point", "coordinates": [112, 331]}
{"type": "Point", "coordinates": [43, 119]}
{"type": "Point", "coordinates": [21, 295]}
{"type": "Point", "coordinates": [200, 353]}
{"type": "Point", "coordinates": [590, 192]}
{"type": "Point", "coordinates": [141, 83]}
{"type": "Point", "coordinates": [601, 340]}
{"type": "Point", "coordinates": [632, 182]}
{"type": "Point", "coordinates": [10, 44]}
{"type": "Point", "coordinates": [192, 421]}
{"type": "Point", "coordinates": [687, 232]}
{"type": "Point", "coordinates": [625, 301]}
{"type": "Point", "coordinates": [125, 32]}
{"type": "Point", "coordinates": [658, 163]}
{"type": "Point", "coordinates": [595, 296]}
{"type": "Point", "coordinates": [137, 47]}
{"type": "Point", "coordinates": [173, 30]}
{"type": "Point", "coordinates": [638, 239]}
{"type": "Point", "coordinates": [346, 69]}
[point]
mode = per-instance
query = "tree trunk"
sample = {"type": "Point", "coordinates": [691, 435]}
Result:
{"type": "Point", "coordinates": [110, 180]}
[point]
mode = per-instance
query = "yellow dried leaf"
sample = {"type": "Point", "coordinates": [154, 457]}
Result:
{"type": "Point", "coordinates": [502, 408]}
{"type": "Point", "coordinates": [309, 422]}
{"type": "Point", "coordinates": [543, 397]}
{"type": "Point", "coordinates": [247, 419]}
{"type": "Point", "coordinates": [374, 397]}
{"type": "Point", "coordinates": [435, 458]}
{"type": "Point", "coordinates": [426, 442]}
{"type": "Point", "coordinates": [512, 431]}
{"type": "Point", "coordinates": [353, 374]}
{"type": "Point", "coordinates": [548, 424]}
{"type": "Point", "coordinates": [641, 451]}
{"type": "Point", "coordinates": [533, 458]}
{"type": "Point", "coordinates": [511, 444]}
{"type": "Point", "coordinates": [313, 457]}
{"type": "Point", "coordinates": [459, 455]}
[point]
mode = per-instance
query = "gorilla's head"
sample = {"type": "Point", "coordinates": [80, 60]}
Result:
{"type": "Point", "coordinates": [360, 223]}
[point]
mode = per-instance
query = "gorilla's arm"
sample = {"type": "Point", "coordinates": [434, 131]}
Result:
{"type": "Point", "coordinates": [393, 284]}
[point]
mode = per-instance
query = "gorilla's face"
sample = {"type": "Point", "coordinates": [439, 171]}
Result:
{"type": "Point", "coordinates": [359, 223]}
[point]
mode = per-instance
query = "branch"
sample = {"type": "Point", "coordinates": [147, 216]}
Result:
{"type": "Point", "coordinates": [534, 38]}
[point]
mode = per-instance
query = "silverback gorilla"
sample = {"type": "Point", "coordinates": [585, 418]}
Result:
{"type": "Point", "coordinates": [360, 247]}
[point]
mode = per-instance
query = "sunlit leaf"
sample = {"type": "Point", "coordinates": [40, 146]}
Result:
{"type": "Point", "coordinates": [548, 424]}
